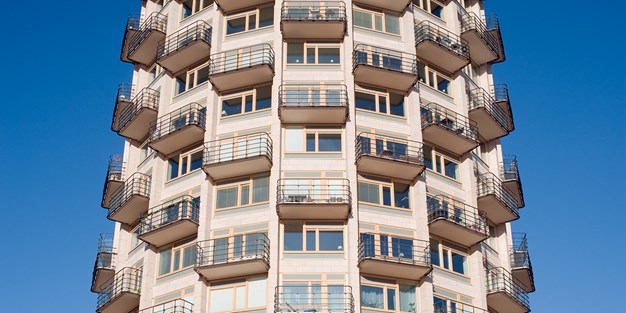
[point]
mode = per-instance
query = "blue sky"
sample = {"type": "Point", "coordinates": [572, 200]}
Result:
{"type": "Point", "coordinates": [565, 72]}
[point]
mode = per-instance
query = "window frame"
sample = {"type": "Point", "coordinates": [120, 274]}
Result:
{"type": "Point", "coordinates": [306, 45]}
{"type": "Point", "coordinates": [382, 183]}
{"type": "Point", "coordinates": [243, 94]}
{"type": "Point", "coordinates": [378, 282]}
{"type": "Point", "coordinates": [239, 183]}
{"type": "Point", "coordinates": [256, 11]}
{"type": "Point", "coordinates": [380, 13]}
{"type": "Point", "coordinates": [186, 153]}
{"type": "Point", "coordinates": [440, 247]}
{"type": "Point", "coordinates": [426, 6]}
{"type": "Point", "coordinates": [234, 284]}
{"type": "Point", "coordinates": [316, 131]}
{"type": "Point", "coordinates": [443, 156]}
{"type": "Point", "coordinates": [176, 247]}
{"type": "Point", "coordinates": [377, 93]}
{"type": "Point", "coordinates": [191, 75]}
{"type": "Point", "coordinates": [317, 227]}
{"type": "Point", "coordinates": [425, 79]}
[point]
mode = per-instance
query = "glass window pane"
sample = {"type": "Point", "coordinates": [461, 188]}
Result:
{"type": "Point", "coordinates": [329, 142]}
{"type": "Point", "coordinates": [428, 157]}
{"type": "Point", "coordinates": [231, 106]}
{"type": "Point", "coordinates": [310, 142]}
{"type": "Point", "coordinates": [172, 168]}
{"type": "Point", "coordinates": [331, 240]}
{"type": "Point", "coordinates": [378, 22]}
{"type": "Point", "coordinates": [446, 260]}
{"type": "Point", "coordinates": [368, 193]}
{"type": "Point", "coordinates": [252, 22]}
{"type": "Point", "coordinates": [459, 263]}
{"type": "Point", "coordinates": [436, 9]}
{"type": "Point", "coordinates": [382, 104]}
{"type": "Point", "coordinates": [263, 97]}
{"type": "Point", "coordinates": [384, 245]}
{"type": "Point", "coordinates": [240, 297]}
{"type": "Point", "coordinates": [328, 55]}
{"type": "Point", "coordinates": [434, 253]}
{"type": "Point", "coordinates": [235, 25]}
{"type": "Point", "coordinates": [402, 247]}
{"type": "Point", "coordinates": [443, 85]}
{"type": "Point", "coordinates": [365, 101]}
{"type": "Point", "coordinates": [187, 5]}
{"type": "Point", "coordinates": [310, 240]}
{"type": "Point", "coordinates": [401, 195]}
{"type": "Point", "coordinates": [227, 197]}
{"type": "Point", "coordinates": [189, 256]}
{"type": "Point", "coordinates": [391, 299]}
{"type": "Point", "coordinates": [248, 104]}
{"type": "Point", "coordinates": [266, 16]}
{"type": "Point", "coordinates": [372, 297]}
{"type": "Point", "coordinates": [165, 259]}
{"type": "Point", "coordinates": [196, 160]}
{"type": "Point", "coordinates": [407, 298]}
{"type": "Point", "coordinates": [256, 292]}
{"type": "Point", "coordinates": [310, 56]}
{"type": "Point", "coordinates": [176, 262]}
{"type": "Point", "coordinates": [260, 189]}
{"type": "Point", "coordinates": [392, 24]}
{"type": "Point", "coordinates": [387, 195]}
{"type": "Point", "coordinates": [203, 75]}
{"type": "Point", "coordinates": [295, 53]}
{"type": "Point", "coordinates": [362, 19]}
{"type": "Point", "coordinates": [293, 238]}
{"type": "Point", "coordinates": [451, 168]}
{"type": "Point", "coordinates": [222, 300]}
{"type": "Point", "coordinates": [245, 194]}
{"type": "Point", "coordinates": [396, 104]}
{"type": "Point", "coordinates": [367, 242]}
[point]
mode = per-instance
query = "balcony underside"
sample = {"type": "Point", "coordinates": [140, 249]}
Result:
{"type": "Point", "coordinates": [448, 139]}
{"type": "Point", "coordinates": [313, 114]}
{"type": "Point", "coordinates": [100, 277]}
{"type": "Point", "coordinates": [488, 127]}
{"type": "Point", "coordinates": [131, 210]}
{"type": "Point", "coordinates": [169, 233]}
{"type": "Point", "coordinates": [383, 77]}
{"type": "Point", "coordinates": [238, 167]}
{"type": "Point", "coordinates": [394, 5]}
{"type": "Point", "coordinates": [178, 139]}
{"type": "Point", "coordinates": [515, 187]}
{"type": "Point", "coordinates": [498, 36]}
{"type": "Point", "coordinates": [247, 265]}
{"type": "Point", "coordinates": [505, 106]}
{"type": "Point", "coordinates": [465, 236]}
{"type": "Point", "coordinates": [315, 29]}
{"type": "Point", "coordinates": [124, 302]}
{"type": "Point", "coordinates": [109, 190]}
{"type": "Point", "coordinates": [138, 128]}
{"type": "Point", "coordinates": [146, 51]}
{"type": "Point", "coordinates": [243, 77]}
{"type": "Point", "coordinates": [393, 267]}
{"type": "Point", "coordinates": [228, 6]}
{"type": "Point", "coordinates": [443, 57]}
{"type": "Point", "coordinates": [185, 56]}
{"type": "Point", "coordinates": [496, 211]}
{"type": "Point", "coordinates": [314, 210]}
{"type": "Point", "coordinates": [389, 167]}
{"type": "Point", "coordinates": [502, 301]}
{"type": "Point", "coordinates": [480, 52]}
{"type": "Point", "coordinates": [130, 32]}
{"type": "Point", "coordinates": [525, 276]}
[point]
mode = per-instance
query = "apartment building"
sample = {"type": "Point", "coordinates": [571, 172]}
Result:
{"type": "Point", "coordinates": [312, 156]}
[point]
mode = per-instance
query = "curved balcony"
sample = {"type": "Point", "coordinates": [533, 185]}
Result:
{"type": "Point", "coordinates": [313, 199]}
{"type": "Point", "coordinates": [142, 47]}
{"type": "Point", "coordinates": [521, 268]}
{"type": "Point", "coordinates": [300, 297]}
{"type": "Point", "coordinates": [500, 95]}
{"type": "Point", "coordinates": [312, 20]}
{"type": "Point", "coordinates": [178, 129]}
{"type": "Point", "coordinates": [456, 221]}
{"type": "Point", "coordinates": [185, 47]}
{"type": "Point", "coordinates": [313, 104]}
{"type": "Point", "coordinates": [131, 200]}
{"type": "Point", "coordinates": [174, 306]}
{"type": "Point", "coordinates": [389, 156]}
{"type": "Point", "coordinates": [448, 129]}
{"type": "Point", "coordinates": [384, 68]}
{"type": "Point", "coordinates": [504, 293]}
{"type": "Point", "coordinates": [394, 5]}
{"type": "Point", "coordinates": [242, 67]}
{"type": "Point", "coordinates": [440, 47]}
{"type": "Point", "coordinates": [114, 179]}
{"type": "Point", "coordinates": [492, 121]}
{"type": "Point", "coordinates": [133, 121]}
{"type": "Point", "coordinates": [483, 45]}
{"type": "Point", "coordinates": [237, 156]}
{"type": "Point", "coordinates": [121, 293]}
{"type": "Point", "coordinates": [104, 268]}
{"type": "Point", "coordinates": [228, 6]}
{"type": "Point", "coordinates": [169, 222]}
{"type": "Point", "coordinates": [235, 256]}
{"type": "Point", "coordinates": [132, 27]}
{"type": "Point", "coordinates": [493, 27]}
{"type": "Point", "coordinates": [509, 174]}
{"type": "Point", "coordinates": [496, 200]}
{"type": "Point", "coordinates": [394, 256]}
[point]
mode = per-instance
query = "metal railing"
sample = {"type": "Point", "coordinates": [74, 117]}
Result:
{"type": "Point", "coordinates": [313, 11]}
{"type": "Point", "coordinates": [181, 208]}
{"type": "Point", "coordinates": [116, 168]}
{"type": "Point", "coordinates": [500, 280]}
{"type": "Point", "coordinates": [490, 184]}
{"type": "Point", "coordinates": [446, 208]}
{"type": "Point", "coordinates": [427, 30]}
{"type": "Point", "coordinates": [146, 98]}
{"type": "Point", "coordinates": [105, 258]}
{"type": "Point", "coordinates": [197, 31]}
{"type": "Point", "coordinates": [397, 149]}
{"type": "Point", "coordinates": [449, 306]}
{"type": "Point", "coordinates": [492, 22]}
{"type": "Point", "coordinates": [500, 92]}
{"type": "Point", "coordinates": [126, 280]}
{"type": "Point", "coordinates": [313, 191]}
{"type": "Point", "coordinates": [313, 298]}
{"type": "Point", "coordinates": [233, 249]}
{"type": "Point", "coordinates": [154, 22]}
{"type": "Point", "coordinates": [174, 306]}
{"type": "Point", "coordinates": [509, 169]}
{"type": "Point", "coordinates": [133, 22]}
{"type": "Point", "coordinates": [237, 59]}
{"type": "Point", "coordinates": [237, 148]}
{"type": "Point", "coordinates": [470, 21]}
{"type": "Point", "coordinates": [310, 95]}
{"type": "Point", "coordinates": [434, 114]}
{"type": "Point", "coordinates": [479, 98]}
{"type": "Point", "coordinates": [520, 257]}
{"type": "Point", "coordinates": [191, 114]}
{"type": "Point", "coordinates": [137, 184]}
{"type": "Point", "coordinates": [394, 249]}
{"type": "Point", "coordinates": [125, 92]}
{"type": "Point", "coordinates": [384, 58]}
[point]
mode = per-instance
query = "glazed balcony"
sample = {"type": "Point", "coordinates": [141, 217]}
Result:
{"type": "Point", "coordinates": [133, 120]}
{"type": "Point", "coordinates": [114, 179]}
{"type": "Point", "coordinates": [104, 268]}
{"type": "Point", "coordinates": [121, 293]}
{"type": "Point", "coordinates": [228, 6]}
{"type": "Point", "coordinates": [142, 47]}
{"type": "Point", "coordinates": [440, 47]}
{"type": "Point", "coordinates": [313, 104]}
{"type": "Point", "coordinates": [185, 47]}
{"type": "Point", "coordinates": [521, 268]}
{"type": "Point", "coordinates": [301, 297]}
{"type": "Point", "coordinates": [496, 200]}
{"type": "Point", "coordinates": [394, 257]}
{"type": "Point", "coordinates": [447, 129]}
{"type": "Point", "coordinates": [483, 45]}
{"type": "Point", "coordinates": [237, 156]}
{"type": "Point", "coordinates": [169, 222]}
{"type": "Point", "coordinates": [456, 221]}
{"type": "Point", "coordinates": [178, 129]}
{"type": "Point", "coordinates": [389, 156]}
{"type": "Point", "coordinates": [500, 95]}
{"type": "Point", "coordinates": [509, 174]}
{"type": "Point", "coordinates": [174, 306]}
{"type": "Point", "coordinates": [131, 200]}
{"type": "Point", "coordinates": [234, 256]}
{"type": "Point", "coordinates": [384, 68]}
{"type": "Point", "coordinates": [243, 67]}
{"type": "Point", "coordinates": [394, 5]}
{"type": "Point", "coordinates": [312, 20]}
{"type": "Point", "coordinates": [313, 199]}
{"type": "Point", "coordinates": [504, 294]}
{"type": "Point", "coordinates": [492, 122]}
{"type": "Point", "coordinates": [132, 27]}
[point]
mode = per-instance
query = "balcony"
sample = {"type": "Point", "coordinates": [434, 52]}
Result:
{"type": "Point", "coordinates": [228, 6]}
{"type": "Point", "coordinates": [448, 129]}
{"type": "Point", "coordinates": [496, 200]}
{"type": "Point", "coordinates": [483, 45]}
{"type": "Point", "coordinates": [243, 67]}
{"type": "Point", "coordinates": [504, 293]}
{"type": "Point", "coordinates": [174, 306]}
{"type": "Point", "coordinates": [492, 122]}
{"type": "Point", "coordinates": [509, 174]}
{"type": "Point", "coordinates": [178, 129]}
{"type": "Point", "coordinates": [500, 95]}
{"type": "Point", "coordinates": [185, 47]}
{"type": "Point", "coordinates": [311, 20]}
{"type": "Point", "coordinates": [493, 27]}
{"type": "Point", "coordinates": [384, 68]}
{"type": "Point", "coordinates": [449, 306]}
{"type": "Point", "coordinates": [132, 27]}
{"type": "Point", "coordinates": [314, 199]}
{"type": "Point", "coordinates": [169, 222]}
{"type": "Point", "coordinates": [456, 221]}
{"type": "Point", "coordinates": [389, 156]}
{"type": "Point", "coordinates": [121, 293]}
{"type": "Point", "coordinates": [394, 5]}
{"type": "Point", "coordinates": [407, 258]}
{"type": "Point", "coordinates": [237, 156]}
{"type": "Point", "coordinates": [131, 200]}
{"type": "Point", "coordinates": [441, 47]}
{"type": "Point", "coordinates": [114, 179]}
{"type": "Point", "coordinates": [104, 268]}
{"type": "Point", "coordinates": [302, 297]}
{"type": "Point", "coordinates": [313, 104]}
{"type": "Point", "coordinates": [142, 47]}
{"type": "Point", "coordinates": [521, 268]}
{"type": "Point", "coordinates": [133, 120]}
{"type": "Point", "coordinates": [233, 256]}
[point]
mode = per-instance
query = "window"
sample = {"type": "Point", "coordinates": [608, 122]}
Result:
{"type": "Point", "coordinates": [449, 257]}
{"type": "Point", "coordinates": [238, 295]}
{"type": "Point", "coordinates": [433, 7]}
{"type": "Point", "coordinates": [327, 94]}
{"type": "Point", "coordinates": [251, 20]}
{"type": "Point", "coordinates": [233, 248]}
{"type": "Point", "coordinates": [184, 163]}
{"type": "Point", "coordinates": [388, 295]}
{"type": "Point", "coordinates": [248, 101]}
{"type": "Point", "coordinates": [313, 140]}
{"type": "Point", "coordinates": [314, 296]}
{"type": "Point", "coordinates": [441, 162]}
{"type": "Point", "coordinates": [447, 301]}
{"type": "Point", "coordinates": [242, 192]}
{"type": "Point", "coordinates": [383, 191]}
{"type": "Point", "coordinates": [144, 151]}
{"type": "Point", "coordinates": [380, 57]}
{"type": "Point", "coordinates": [434, 79]}
{"type": "Point", "coordinates": [310, 53]}
{"type": "Point", "coordinates": [191, 7]}
{"type": "Point", "coordinates": [177, 257]}
{"type": "Point", "coordinates": [388, 245]}
{"type": "Point", "coordinates": [380, 101]}
{"type": "Point", "coordinates": [192, 78]}
{"type": "Point", "coordinates": [377, 20]}
{"type": "Point", "coordinates": [134, 238]}
{"type": "Point", "coordinates": [313, 237]}
{"type": "Point", "coordinates": [153, 72]}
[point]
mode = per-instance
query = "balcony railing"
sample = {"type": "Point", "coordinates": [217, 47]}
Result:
{"type": "Point", "coordinates": [390, 148]}
{"type": "Point", "coordinates": [195, 39]}
{"type": "Point", "coordinates": [237, 148]}
{"type": "Point", "coordinates": [394, 249]}
{"type": "Point", "coordinates": [136, 184]}
{"type": "Point", "coordinates": [125, 92]}
{"type": "Point", "coordinates": [174, 306]}
{"type": "Point", "coordinates": [385, 59]}
{"type": "Point", "coordinates": [313, 191]}
{"type": "Point", "coordinates": [313, 298]}
{"type": "Point", "coordinates": [104, 266]}
{"type": "Point", "coordinates": [234, 249]}
{"type": "Point", "coordinates": [500, 280]}
{"type": "Point", "coordinates": [446, 208]}
{"type": "Point", "coordinates": [490, 184]}
{"type": "Point", "coordinates": [500, 92]}
{"type": "Point", "coordinates": [470, 21]}
{"type": "Point", "coordinates": [519, 251]}
{"type": "Point", "coordinates": [313, 11]}
{"type": "Point", "coordinates": [154, 22]}
{"type": "Point", "coordinates": [427, 31]}
{"type": "Point", "coordinates": [448, 306]}
{"type": "Point", "coordinates": [509, 169]}
{"type": "Point", "coordinates": [234, 60]}
{"type": "Point", "coordinates": [126, 281]}
{"type": "Point", "coordinates": [481, 99]}
{"type": "Point", "coordinates": [105, 245]}
{"type": "Point", "coordinates": [132, 26]}
{"type": "Point", "coordinates": [178, 121]}
{"type": "Point", "coordinates": [168, 213]}
{"type": "Point", "coordinates": [311, 95]}
{"type": "Point", "coordinates": [147, 98]}
{"type": "Point", "coordinates": [116, 168]}
{"type": "Point", "coordinates": [434, 114]}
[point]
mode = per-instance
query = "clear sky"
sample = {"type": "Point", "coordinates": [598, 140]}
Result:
{"type": "Point", "coordinates": [60, 69]}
